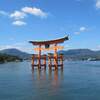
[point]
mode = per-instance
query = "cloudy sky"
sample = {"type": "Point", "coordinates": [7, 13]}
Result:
{"type": "Point", "coordinates": [25, 20]}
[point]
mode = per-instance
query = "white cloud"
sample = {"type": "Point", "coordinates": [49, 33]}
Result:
{"type": "Point", "coordinates": [21, 14]}
{"type": "Point", "coordinates": [34, 11]}
{"type": "Point", "coordinates": [18, 15]}
{"type": "Point", "coordinates": [19, 23]}
{"type": "Point", "coordinates": [83, 29]}
{"type": "Point", "coordinates": [98, 4]}
{"type": "Point", "coordinates": [3, 13]}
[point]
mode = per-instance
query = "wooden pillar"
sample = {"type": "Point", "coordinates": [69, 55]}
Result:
{"type": "Point", "coordinates": [55, 57]}
{"type": "Point", "coordinates": [39, 57]}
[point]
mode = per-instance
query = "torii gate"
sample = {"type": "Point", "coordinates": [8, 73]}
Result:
{"type": "Point", "coordinates": [46, 45]}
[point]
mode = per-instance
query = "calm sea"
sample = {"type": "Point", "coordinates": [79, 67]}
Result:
{"type": "Point", "coordinates": [77, 81]}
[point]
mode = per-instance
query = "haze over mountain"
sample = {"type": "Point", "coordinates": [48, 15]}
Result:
{"type": "Point", "coordinates": [16, 52]}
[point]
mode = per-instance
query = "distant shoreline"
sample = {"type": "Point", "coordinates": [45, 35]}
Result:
{"type": "Point", "coordinates": [64, 61]}
{"type": "Point", "coordinates": [15, 55]}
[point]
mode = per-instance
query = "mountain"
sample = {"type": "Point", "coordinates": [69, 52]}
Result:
{"type": "Point", "coordinates": [81, 54]}
{"type": "Point", "coordinates": [8, 58]}
{"type": "Point", "coordinates": [73, 54]}
{"type": "Point", "coordinates": [16, 52]}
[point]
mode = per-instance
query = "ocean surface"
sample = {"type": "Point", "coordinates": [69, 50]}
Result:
{"type": "Point", "coordinates": [77, 81]}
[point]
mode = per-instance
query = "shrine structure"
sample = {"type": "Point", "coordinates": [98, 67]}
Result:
{"type": "Point", "coordinates": [54, 59]}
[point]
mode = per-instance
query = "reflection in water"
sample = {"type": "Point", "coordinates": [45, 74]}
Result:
{"type": "Point", "coordinates": [39, 74]}
{"type": "Point", "coordinates": [56, 76]}
{"type": "Point", "coordinates": [48, 82]}
{"type": "Point", "coordinates": [53, 76]}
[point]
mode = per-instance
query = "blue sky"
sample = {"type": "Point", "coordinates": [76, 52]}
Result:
{"type": "Point", "coordinates": [25, 20]}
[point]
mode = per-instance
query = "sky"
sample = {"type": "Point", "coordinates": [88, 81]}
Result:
{"type": "Point", "coordinates": [25, 20]}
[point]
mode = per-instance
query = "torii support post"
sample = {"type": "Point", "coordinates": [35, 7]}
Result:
{"type": "Point", "coordinates": [39, 57]}
{"type": "Point", "coordinates": [38, 60]}
{"type": "Point", "coordinates": [55, 57]}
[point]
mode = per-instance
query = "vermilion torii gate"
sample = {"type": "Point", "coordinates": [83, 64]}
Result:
{"type": "Point", "coordinates": [54, 60]}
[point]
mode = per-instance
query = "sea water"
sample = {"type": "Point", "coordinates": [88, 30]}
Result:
{"type": "Point", "coordinates": [77, 81]}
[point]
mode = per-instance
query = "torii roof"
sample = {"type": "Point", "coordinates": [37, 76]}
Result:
{"type": "Point", "coordinates": [61, 40]}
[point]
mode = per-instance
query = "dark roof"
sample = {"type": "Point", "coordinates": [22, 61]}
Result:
{"type": "Point", "coordinates": [61, 40]}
